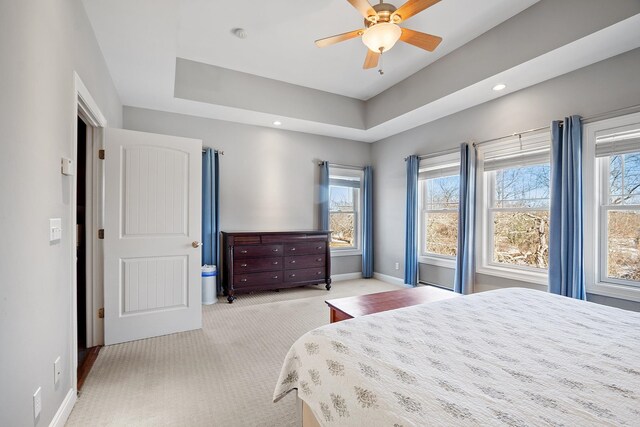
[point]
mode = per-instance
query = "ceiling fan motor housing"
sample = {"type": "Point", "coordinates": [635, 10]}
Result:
{"type": "Point", "coordinates": [384, 14]}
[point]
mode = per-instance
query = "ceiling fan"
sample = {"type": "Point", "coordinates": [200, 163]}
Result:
{"type": "Point", "coordinates": [382, 31]}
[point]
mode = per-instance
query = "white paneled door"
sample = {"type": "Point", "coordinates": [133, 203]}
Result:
{"type": "Point", "coordinates": [152, 257]}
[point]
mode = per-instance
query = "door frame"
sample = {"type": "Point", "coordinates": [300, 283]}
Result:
{"type": "Point", "coordinates": [85, 107]}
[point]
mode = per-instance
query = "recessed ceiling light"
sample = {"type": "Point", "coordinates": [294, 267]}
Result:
{"type": "Point", "coordinates": [277, 123]}
{"type": "Point", "coordinates": [499, 87]}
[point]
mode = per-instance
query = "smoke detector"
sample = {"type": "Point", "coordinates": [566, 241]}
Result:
{"type": "Point", "coordinates": [240, 33]}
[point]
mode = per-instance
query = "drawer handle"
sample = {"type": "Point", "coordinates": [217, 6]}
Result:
{"type": "Point", "coordinates": [293, 261]}
{"type": "Point", "coordinates": [319, 273]}
{"type": "Point", "coordinates": [243, 251]}
{"type": "Point", "coordinates": [274, 277]}
{"type": "Point", "coordinates": [243, 280]}
{"type": "Point", "coordinates": [275, 263]}
{"type": "Point", "coordinates": [243, 265]}
{"type": "Point", "coordinates": [292, 249]}
{"type": "Point", "coordinates": [292, 275]}
{"type": "Point", "coordinates": [275, 250]}
{"type": "Point", "coordinates": [318, 247]}
{"type": "Point", "coordinates": [318, 259]}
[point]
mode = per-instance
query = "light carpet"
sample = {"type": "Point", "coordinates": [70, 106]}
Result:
{"type": "Point", "coordinates": [221, 375]}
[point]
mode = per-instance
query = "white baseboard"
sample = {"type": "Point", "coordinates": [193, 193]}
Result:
{"type": "Point", "coordinates": [389, 279]}
{"type": "Point", "coordinates": [346, 276]}
{"type": "Point", "coordinates": [61, 417]}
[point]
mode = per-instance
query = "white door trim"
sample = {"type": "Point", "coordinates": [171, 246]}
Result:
{"type": "Point", "coordinates": [84, 106]}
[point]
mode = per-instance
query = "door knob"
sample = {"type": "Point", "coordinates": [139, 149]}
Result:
{"type": "Point", "coordinates": [196, 244]}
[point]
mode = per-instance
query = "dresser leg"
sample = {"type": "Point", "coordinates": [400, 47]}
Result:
{"type": "Point", "coordinates": [230, 298]}
{"type": "Point", "coordinates": [328, 285]}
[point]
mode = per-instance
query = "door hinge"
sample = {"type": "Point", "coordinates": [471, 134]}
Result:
{"type": "Point", "coordinates": [101, 234]}
{"type": "Point", "coordinates": [101, 154]}
{"type": "Point", "coordinates": [101, 313]}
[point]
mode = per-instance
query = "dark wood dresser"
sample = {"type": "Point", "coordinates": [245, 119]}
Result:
{"type": "Point", "coordinates": [274, 260]}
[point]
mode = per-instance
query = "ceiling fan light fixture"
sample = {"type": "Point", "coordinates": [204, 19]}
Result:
{"type": "Point", "coordinates": [381, 37]}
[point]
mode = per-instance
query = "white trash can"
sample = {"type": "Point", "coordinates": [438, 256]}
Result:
{"type": "Point", "coordinates": [209, 274]}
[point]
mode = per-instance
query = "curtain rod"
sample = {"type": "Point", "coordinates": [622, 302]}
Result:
{"type": "Point", "coordinates": [475, 144]}
{"type": "Point", "coordinates": [216, 150]}
{"type": "Point", "coordinates": [585, 120]}
{"type": "Point", "coordinates": [359, 168]}
{"type": "Point", "coordinates": [436, 154]}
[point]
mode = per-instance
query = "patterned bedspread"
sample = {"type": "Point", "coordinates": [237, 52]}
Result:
{"type": "Point", "coordinates": [514, 357]}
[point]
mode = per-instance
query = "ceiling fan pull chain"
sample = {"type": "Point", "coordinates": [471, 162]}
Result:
{"type": "Point", "coordinates": [380, 71]}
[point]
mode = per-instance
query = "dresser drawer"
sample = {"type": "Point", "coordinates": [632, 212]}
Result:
{"type": "Point", "coordinates": [251, 265]}
{"type": "Point", "coordinates": [257, 279]}
{"type": "Point", "coordinates": [304, 275]}
{"type": "Point", "coordinates": [306, 248]}
{"type": "Point", "coordinates": [304, 261]}
{"type": "Point", "coordinates": [257, 251]}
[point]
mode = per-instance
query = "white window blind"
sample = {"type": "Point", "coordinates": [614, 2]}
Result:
{"type": "Point", "coordinates": [618, 143]}
{"type": "Point", "coordinates": [515, 152]}
{"type": "Point", "coordinates": [345, 177]}
{"type": "Point", "coordinates": [439, 166]}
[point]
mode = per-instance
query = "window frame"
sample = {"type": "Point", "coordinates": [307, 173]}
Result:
{"type": "Point", "coordinates": [435, 165]}
{"type": "Point", "coordinates": [334, 173]}
{"type": "Point", "coordinates": [596, 191]}
{"type": "Point", "coordinates": [485, 210]}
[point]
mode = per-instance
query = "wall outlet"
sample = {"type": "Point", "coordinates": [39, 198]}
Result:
{"type": "Point", "coordinates": [57, 371]}
{"type": "Point", "coordinates": [397, 266]}
{"type": "Point", "coordinates": [37, 403]}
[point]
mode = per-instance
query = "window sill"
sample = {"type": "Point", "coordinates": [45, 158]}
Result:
{"type": "Point", "coordinates": [514, 273]}
{"type": "Point", "coordinates": [612, 290]}
{"type": "Point", "coordinates": [438, 261]}
{"type": "Point", "coordinates": [345, 252]}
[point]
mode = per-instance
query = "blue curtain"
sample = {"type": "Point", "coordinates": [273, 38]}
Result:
{"type": "Point", "coordinates": [566, 245]}
{"type": "Point", "coordinates": [411, 223]}
{"type": "Point", "coordinates": [323, 215]}
{"type": "Point", "coordinates": [463, 282]}
{"type": "Point", "coordinates": [211, 210]}
{"type": "Point", "coordinates": [367, 224]}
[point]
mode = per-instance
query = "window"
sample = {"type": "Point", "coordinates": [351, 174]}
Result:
{"type": "Point", "coordinates": [514, 194]}
{"type": "Point", "coordinates": [519, 215]}
{"type": "Point", "coordinates": [616, 221]}
{"type": "Point", "coordinates": [439, 196]}
{"type": "Point", "coordinates": [344, 210]}
{"type": "Point", "coordinates": [620, 212]}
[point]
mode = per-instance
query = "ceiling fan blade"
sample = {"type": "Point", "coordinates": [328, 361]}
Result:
{"type": "Point", "coordinates": [424, 41]}
{"type": "Point", "coordinates": [371, 61]}
{"type": "Point", "coordinates": [413, 7]}
{"type": "Point", "coordinates": [363, 6]}
{"type": "Point", "coordinates": [328, 41]}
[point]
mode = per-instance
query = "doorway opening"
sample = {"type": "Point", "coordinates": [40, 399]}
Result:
{"type": "Point", "coordinates": [86, 353]}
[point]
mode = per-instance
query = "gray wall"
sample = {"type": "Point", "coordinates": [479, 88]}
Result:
{"type": "Point", "coordinates": [265, 173]}
{"type": "Point", "coordinates": [220, 86]}
{"type": "Point", "coordinates": [601, 87]}
{"type": "Point", "coordinates": [41, 44]}
{"type": "Point", "coordinates": [537, 30]}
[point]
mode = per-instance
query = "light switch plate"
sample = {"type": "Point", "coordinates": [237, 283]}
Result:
{"type": "Point", "coordinates": [55, 229]}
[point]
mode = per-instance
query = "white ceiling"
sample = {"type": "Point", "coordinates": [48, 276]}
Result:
{"type": "Point", "coordinates": [141, 39]}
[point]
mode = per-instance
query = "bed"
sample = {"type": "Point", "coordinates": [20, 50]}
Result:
{"type": "Point", "coordinates": [506, 357]}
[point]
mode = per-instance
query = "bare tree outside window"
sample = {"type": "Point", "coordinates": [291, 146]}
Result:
{"type": "Point", "coordinates": [343, 204]}
{"type": "Point", "coordinates": [623, 217]}
{"type": "Point", "coordinates": [520, 215]}
{"type": "Point", "coordinates": [441, 197]}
